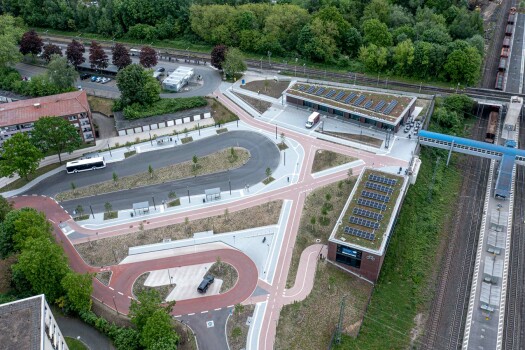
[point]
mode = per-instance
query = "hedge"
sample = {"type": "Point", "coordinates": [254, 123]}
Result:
{"type": "Point", "coordinates": [163, 106]}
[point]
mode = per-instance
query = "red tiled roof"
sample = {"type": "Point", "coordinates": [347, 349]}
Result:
{"type": "Point", "coordinates": [25, 111]}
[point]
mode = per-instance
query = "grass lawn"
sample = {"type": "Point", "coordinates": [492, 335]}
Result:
{"type": "Point", "coordinates": [100, 104]}
{"type": "Point", "coordinates": [22, 182]}
{"type": "Point", "coordinates": [174, 202]}
{"type": "Point", "coordinates": [404, 286]}
{"type": "Point", "coordinates": [186, 139]}
{"type": "Point", "coordinates": [325, 159]}
{"type": "Point", "coordinates": [74, 344]}
{"type": "Point", "coordinates": [110, 215]}
{"type": "Point", "coordinates": [129, 154]}
{"type": "Point", "coordinates": [81, 217]}
{"type": "Point", "coordinates": [236, 328]}
{"type": "Point", "coordinates": [268, 180]}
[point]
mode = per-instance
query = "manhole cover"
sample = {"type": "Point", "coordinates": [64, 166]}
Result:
{"type": "Point", "coordinates": [209, 324]}
{"type": "Point", "coordinates": [317, 240]}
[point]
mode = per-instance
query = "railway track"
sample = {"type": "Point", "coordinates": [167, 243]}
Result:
{"type": "Point", "coordinates": [513, 337]}
{"type": "Point", "coordinates": [310, 73]}
{"type": "Point", "coordinates": [448, 311]}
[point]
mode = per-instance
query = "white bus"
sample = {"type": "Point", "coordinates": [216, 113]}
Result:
{"type": "Point", "coordinates": [85, 164]}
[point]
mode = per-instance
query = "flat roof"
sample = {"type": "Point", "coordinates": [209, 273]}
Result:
{"type": "Point", "coordinates": [29, 111]}
{"type": "Point", "coordinates": [378, 103]}
{"type": "Point", "coordinates": [365, 206]}
{"type": "Point", "coordinates": [21, 324]}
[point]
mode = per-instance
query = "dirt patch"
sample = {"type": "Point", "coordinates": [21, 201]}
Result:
{"type": "Point", "coordinates": [310, 230]}
{"type": "Point", "coordinates": [267, 87]}
{"type": "Point", "coordinates": [5, 274]}
{"type": "Point", "coordinates": [104, 277]}
{"type": "Point", "coordinates": [212, 163]}
{"type": "Point", "coordinates": [325, 159]}
{"type": "Point", "coordinates": [225, 272]}
{"type": "Point", "coordinates": [108, 251]}
{"type": "Point", "coordinates": [310, 324]}
{"type": "Point", "coordinates": [139, 287]}
{"type": "Point", "coordinates": [366, 140]}
{"type": "Point", "coordinates": [100, 104]}
{"type": "Point", "coordinates": [220, 114]}
{"type": "Point", "coordinates": [259, 105]}
{"type": "Point", "coordinates": [236, 328]}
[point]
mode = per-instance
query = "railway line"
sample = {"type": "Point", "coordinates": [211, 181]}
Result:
{"type": "Point", "coordinates": [312, 73]}
{"type": "Point", "coordinates": [514, 337]}
{"type": "Point", "coordinates": [449, 308]}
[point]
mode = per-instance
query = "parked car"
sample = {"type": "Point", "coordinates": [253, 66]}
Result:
{"type": "Point", "coordinates": [84, 76]}
{"type": "Point", "coordinates": [407, 129]}
{"type": "Point", "coordinates": [160, 69]}
{"type": "Point", "coordinates": [99, 79]}
{"type": "Point", "coordinates": [94, 78]}
{"type": "Point", "coordinates": [203, 287]}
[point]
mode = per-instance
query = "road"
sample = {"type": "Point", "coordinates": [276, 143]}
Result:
{"type": "Point", "coordinates": [263, 154]}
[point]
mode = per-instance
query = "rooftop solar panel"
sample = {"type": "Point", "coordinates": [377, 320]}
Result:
{"type": "Point", "coordinates": [339, 96]}
{"type": "Point", "coordinates": [379, 106]}
{"type": "Point", "coordinates": [330, 94]}
{"type": "Point", "coordinates": [375, 196]}
{"type": "Point", "coordinates": [359, 100]}
{"type": "Point", "coordinates": [368, 104]}
{"type": "Point", "coordinates": [367, 214]}
{"type": "Point", "coordinates": [320, 91]}
{"type": "Point", "coordinates": [371, 204]}
{"type": "Point", "coordinates": [378, 187]}
{"type": "Point", "coordinates": [381, 179]}
{"type": "Point", "coordinates": [390, 107]}
{"type": "Point", "coordinates": [363, 222]}
{"type": "Point", "coordinates": [350, 97]}
{"type": "Point", "coordinates": [359, 233]}
{"type": "Point", "coordinates": [311, 89]}
{"type": "Point", "coordinates": [301, 87]}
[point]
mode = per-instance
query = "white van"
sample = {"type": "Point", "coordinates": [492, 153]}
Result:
{"type": "Point", "coordinates": [312, 120]}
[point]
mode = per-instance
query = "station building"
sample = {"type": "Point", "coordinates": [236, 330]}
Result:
{"type": "Point", "coordinates": [360, 238]}
{"type": "Point", "coordinates": [29, 324]}
{"type": "Point", "coordinates": [21, 115]}
{"type": "Point", "coordinates": [380, 110]}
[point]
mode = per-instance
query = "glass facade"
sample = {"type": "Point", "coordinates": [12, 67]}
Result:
{"type": "Point", "coordinates": [348, 256]}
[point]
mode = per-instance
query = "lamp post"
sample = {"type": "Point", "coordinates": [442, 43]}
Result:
{"type": "Point", "coordinates": [229, 182]}
{"type": "Point", "coordinates": [269, 55]}
{"type": "Point", "coordinates": [261, 62]}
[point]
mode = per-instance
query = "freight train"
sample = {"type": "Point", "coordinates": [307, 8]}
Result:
{"type": "Point", "coordinates": [505, 50]}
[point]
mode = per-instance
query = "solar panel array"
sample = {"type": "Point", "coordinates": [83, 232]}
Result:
{"type": "Point", "coordinates": [371, 204]}
{"type": "Point", "coordinates": [359, 100]}
{"type": "Point", "coordinates": [359, 233]}
{"type": "Point", "coordinates": [390, 107]}
{"type": "Point", "coordinates": [375, 196]}
{"type": "Point", "coordinates": [330, 94]}
{"type": "Point", "coordinates": [311, 89]}
{"type": "Point", "coordinates": [350, 97]}
{"type": "Point", "coordinates": [301, 87]}
{"type": "Point", "coordinates": [380, 105]}
{"type": "Point", "coordinates": [378, 187]}
{"type": "Point", "coordinates": [367, 214]}
{"type": "Point", "coordinates": [363, 222]}
{"type": "Point", "coordinates": [339, 95]}
{"type": "Point", "coordinates": [320, 91]}
{"type": "Point", "coordinates": [381, 179]}
{"type": "Point", "coordinates": [368, 104]}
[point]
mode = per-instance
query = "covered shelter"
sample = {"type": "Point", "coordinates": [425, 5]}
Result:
{"type": "Point", "coordinates": [213, 193]}
{"type": "Point", "coordinates": [141, 207]}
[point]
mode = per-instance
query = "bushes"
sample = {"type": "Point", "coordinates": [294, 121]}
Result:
{"type": "Point", "coordinates": [123, 338]}
{"type": "Point", "coordinates": [164, 106]}
{"type": "Point", "coordinates": [39, 85]}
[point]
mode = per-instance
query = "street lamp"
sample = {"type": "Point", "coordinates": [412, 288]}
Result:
{"type": "Point", "coordinates": [304, 69]}
{"type": "Point", "coordinates": [269, 55]}
{"type": "Point", "coordinates": [261, 62]}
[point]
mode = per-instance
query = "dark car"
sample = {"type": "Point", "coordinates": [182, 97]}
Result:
{"type": "Point", "coordinates": [203, 287]}
{"type": "Point", "coordinates": [161, 69]}
{"type": "Point", "coordinates": [84, 76]}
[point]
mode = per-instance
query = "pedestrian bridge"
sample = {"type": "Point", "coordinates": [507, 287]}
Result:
{"type": "Point", "coordinates": [507, 156]}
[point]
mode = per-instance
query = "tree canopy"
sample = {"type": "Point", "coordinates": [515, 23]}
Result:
{"type": "Point", "coordinates": [60, 73]}
{"type": "Point", "coordinates": [50, 50]}
{"type": "Point", "coordinates": [19, 156]}
{"type": "Point", "coordinates": [148, 57]}
{"type": "Point", "coordinates": [75, 53]}
{"type": "Point", "coordinates": [56, 135]}
{"type": "Point", "coordinates": [218, 55]}
{"type": "Point", "coordinates": [31, 43]}
{"type": "Point", "coordinates": [97, 56]}
{"type": "Point", "coordinates": [136, 85]}
{"type": "Point", "coordinates": [120, 56]}
{"type": "Point", "coordinates": [234, 62]}
{"type": "Point", "coordinates": [10, 34]}
{"type": "Point", "coordinates": [78, 289]}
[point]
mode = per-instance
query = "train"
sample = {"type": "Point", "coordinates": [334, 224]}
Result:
{"type": "Point", "coordinates": [492, 128]}
{"type": "Point", "coordinates": [505, 50]}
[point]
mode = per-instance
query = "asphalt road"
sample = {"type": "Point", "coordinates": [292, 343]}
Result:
{"type": "Point", "coordinates": [209, 338]}
{"type": "Point", "coordinates": [264, 154]}
{"type": "Point", "coordinates": [73, 327]}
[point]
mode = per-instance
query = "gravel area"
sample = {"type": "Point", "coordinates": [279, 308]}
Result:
{"type": "Point", "coordinates": [212, 163]}
{"type": "Point", "coordinates": [111, 250]}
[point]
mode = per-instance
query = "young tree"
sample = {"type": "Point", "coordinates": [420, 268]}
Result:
{"type": "Point", "coordinates": [108, 207]}
{"type": "Point", "coordinates": [75, 53]}
{"type": "Point", "coordinates": [195, 161]}
{"type": "Point", "coordinates": [120, 56]}
{"type": "Point", "coordinates": [218, 55]}
{"type": "Point", "coordinates": [78, 288]}
{"type": "Point", "coordinates": [19, 156]}
{"type": "Point", "coordinates": [148, 57]}
{"type": "Point", "coordinates": [80, 210]}
{"type": "Point", "coordinates": [56, 135]}
{"type": "Point", "coordinates": [50, 50]}
{"type": "Point", "coordinates": [234, 62]}
{"type": "Point", "coordinates": [97, 57]}
{"type": "Point", "coordinates": [137, 86]}
{"type": "Point", "coordinates": [115, 178]}
{"type": "Point", "coordinates": [31, 43]}
{"type": "Point", "coordinates": [268, 173]}
{"type": "Point", "coordinates": [60, 73]}
{"type": "Point", "coordinates": [150, 171]}
{"type": "Point", "coordinates": [43, 264]}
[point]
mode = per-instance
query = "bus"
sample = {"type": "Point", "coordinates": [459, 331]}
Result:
{"type": "Point", "coordinates": [85, 164]}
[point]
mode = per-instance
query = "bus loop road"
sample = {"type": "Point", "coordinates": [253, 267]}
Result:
{"type": "Point", "coordinates": [263, 154]}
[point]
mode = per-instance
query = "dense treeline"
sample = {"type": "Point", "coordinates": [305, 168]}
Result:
{"type": "Point", "coordinates": [428, 39]}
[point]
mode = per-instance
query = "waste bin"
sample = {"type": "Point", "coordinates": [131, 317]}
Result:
{"type": "Point", "coordinates": [204, 200]}
{"type": "Point", "coordinates": [131, 214]}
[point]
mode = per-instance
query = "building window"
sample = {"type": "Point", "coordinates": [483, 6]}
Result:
{"type": "Point", "coordinates": [338, 112]}
{"type": "Point", "coordinates": [323, 108]}
{"type": "Point", "coordinates": [308, 104]}
{"type": "Point", "coordinates": [348, 256]}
